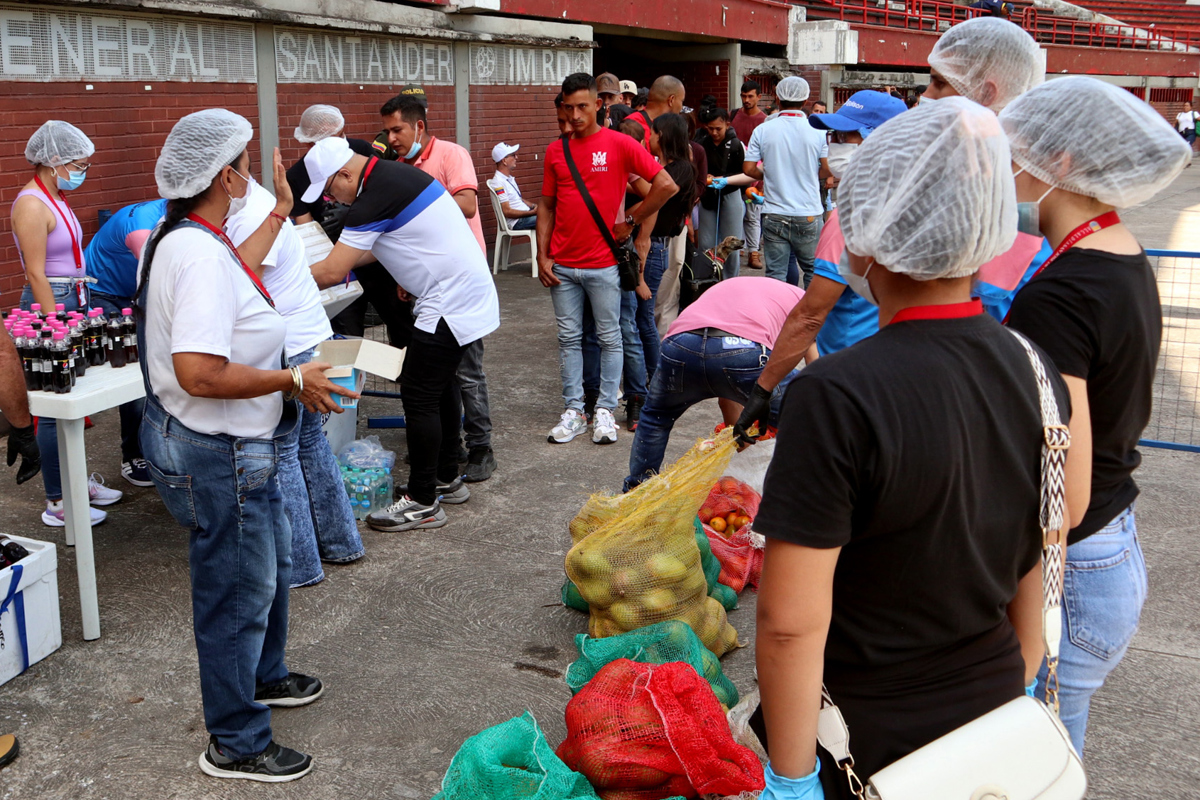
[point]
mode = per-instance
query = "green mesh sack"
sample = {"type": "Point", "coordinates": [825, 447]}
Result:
{"type": "Point", "coordinates": [509, 761]}
{"type": "Point", "coordinates": [712, 571]}
{"type": "Point", "coordinates": [660, 643]}
{"type": "Point", "coordinates": [571, 597]}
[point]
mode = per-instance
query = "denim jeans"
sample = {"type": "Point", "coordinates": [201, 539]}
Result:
{"type": "Point", "coordinates": [524, 223]}
{"type": "Point", "coordinates": [131, 413]}
{"type": "Point", "coordinates": [318, 508]}
{"type": "Point", "coordinates": [602, 289]}
{"type": "Point", "coordinates": [473, 391]}
{"type": "Point", "coordinates": [47, 427]}
{"type": "Point", "coordinates": [693, 367]}
{"type": "Point", "coordinates": [223, 491]}
{"type": "Point", "coordinates": [656, 266]}
{"type": "Point", "coordinates": [733, 209]}
{"type": "Point", "coordinates": [784, 236]}
{"type": "Point", "coordinates": [752, 227]}
{"type": "Point", "coordinates": [432, 410]}
{"type": "Point", "coordinates": [1104, 587]}
{"type": "Point", "coordinates": [633, 360]}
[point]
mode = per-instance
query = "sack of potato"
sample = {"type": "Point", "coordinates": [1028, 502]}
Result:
{"type": "Point", "coordinates": [657, 644]}
{"type": "Point", "coordinates": [642, 565]}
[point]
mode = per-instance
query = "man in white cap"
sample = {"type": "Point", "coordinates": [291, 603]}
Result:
{"type": "Point", "coordinates": [793, 162]}
{"type": "Point", "coordinates": [408, 222]}
{"type": "Point", "coordinates": [522, 216]}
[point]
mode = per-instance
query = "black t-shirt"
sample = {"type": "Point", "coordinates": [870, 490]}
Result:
{"type": "Point", "coordinates": [297, 178]}
{"type": "Point", "coordinates": [918, 451]}
{"type": "Point", "coordinates": [674, 212]}
{"type": "Point", "coordinates": [1097, 316]}
{"type": "Point", "coordinates": [724, 159]}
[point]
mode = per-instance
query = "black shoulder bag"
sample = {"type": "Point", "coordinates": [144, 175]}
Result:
{"type": "Point", "coordinates": [629, 265]}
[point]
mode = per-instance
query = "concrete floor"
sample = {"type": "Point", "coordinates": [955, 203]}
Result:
{"type": "Point", "coordinates": [434, 636]}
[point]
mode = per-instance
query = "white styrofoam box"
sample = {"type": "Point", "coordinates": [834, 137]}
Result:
{"type": "Point", "coordinates": [341, 429]}
{"type": "Point", "coordinates": [39, 586]}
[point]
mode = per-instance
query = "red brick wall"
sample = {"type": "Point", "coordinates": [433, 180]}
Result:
{"type": "Point", "coordinates": [704, 77]}
{"type": "Point", "coordinates": [521, 115]}
{"type": "Point", "coordinates": [128, 126]}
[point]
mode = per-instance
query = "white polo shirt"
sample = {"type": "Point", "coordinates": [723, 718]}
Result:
{"type": "Point", "coordinates": [508, 192]}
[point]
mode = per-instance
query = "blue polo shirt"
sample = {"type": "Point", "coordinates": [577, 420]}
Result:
{"type": "Point", "coordinates": [851, 319]}
{"type": "Point", "coordinates": [107, 256]}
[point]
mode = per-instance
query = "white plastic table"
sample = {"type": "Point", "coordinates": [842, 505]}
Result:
{"type": "Point", "coordinates": [100, 388]}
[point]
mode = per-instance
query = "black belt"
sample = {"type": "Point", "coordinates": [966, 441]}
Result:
{"type": "Point", "coordinates": [714, 333]}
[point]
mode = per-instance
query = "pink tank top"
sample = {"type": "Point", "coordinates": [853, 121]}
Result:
{"type": "Point", "coordinates": [60, 252]}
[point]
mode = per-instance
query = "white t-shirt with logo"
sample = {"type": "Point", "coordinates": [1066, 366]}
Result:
{"type": "Point", "coordinates": [507, 191]}
{"type": "Point", "coordinates": [201, 301]}
{"type": "Point", "coordinates": [285, 273]}
{"type": "Point", "coordinates": [1186, 120]}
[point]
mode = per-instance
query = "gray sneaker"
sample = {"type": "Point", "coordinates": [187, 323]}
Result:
{"type": "Point", "coordinates": [449, 494]}
{"type": "Point", "coordinates": [276, 764]}
{"type": "Point", "coordinates": [569, 426]}
{"type": "Point", "coordinates": [407, 514]}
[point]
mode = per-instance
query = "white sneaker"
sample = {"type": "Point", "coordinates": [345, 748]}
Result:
{"type": "Point", "coordinates": [569, 426]}
{"type": "Point", "coordinates": [55, 517]}
{"type": "Point", "coordinates": [604, 429]}
{"type": "Point", "coordinates": [99, 494]}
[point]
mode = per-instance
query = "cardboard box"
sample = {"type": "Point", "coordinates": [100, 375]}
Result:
{"type": "Point", "coordinates": [353, 358]}
{"type": "Point", "coordinates": [38, 590]}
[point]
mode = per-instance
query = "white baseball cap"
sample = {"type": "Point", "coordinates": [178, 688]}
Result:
{"type": "Point", "coordinates": [322, 162]}
{"type": "Point", "coordinates": [628, 87]}
{"type": "Point", "coordinates": [503, 151]}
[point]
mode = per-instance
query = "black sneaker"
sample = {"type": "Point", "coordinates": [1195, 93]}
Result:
{"type": "Point", "coordinates": [589, 405]}
{"type": "Point", "coordinates": [449, 494]}
{"type": "Point", "coordinates": [137, 472]}
{"type": "Point", "coordinates": [294, 690]}
{"type": "Point", "coordinates": [463, 455]}
{"type": "Point", "coordinates": [480, 465]}
{"type": "Point", "coordinates": [633, 411]}
{"type": "Point", "coordinates": [276, 764]}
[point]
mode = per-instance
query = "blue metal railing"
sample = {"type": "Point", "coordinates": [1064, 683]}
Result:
{"type": "Point", "coordinates": [1174, 423]}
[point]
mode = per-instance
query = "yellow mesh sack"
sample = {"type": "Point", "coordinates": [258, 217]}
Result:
{"type": "Point", "coordinates": [635, 559]}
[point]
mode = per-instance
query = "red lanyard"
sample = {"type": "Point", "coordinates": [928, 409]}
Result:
{"type": "Point", "coordinates": [76, 250]}
{"type": "Point", "coordinates": [792, 114]}
{"type": "Point", "coordinates": [367, 172]}
{"type": "Point", "coordinates": [220, 234]}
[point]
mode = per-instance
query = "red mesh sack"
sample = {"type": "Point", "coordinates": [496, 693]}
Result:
{"type": "Point", "coordinates": [649, 731]}
{"type": "Point", "coordinates": [740, 556]}
{"type": "Point", "coordinates": [730, 506]}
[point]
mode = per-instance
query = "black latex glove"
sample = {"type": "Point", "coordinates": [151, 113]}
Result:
{"type": "Point", "coordinates": [755, 414]}
{"type": "Point", "coordinates": [23, 443]}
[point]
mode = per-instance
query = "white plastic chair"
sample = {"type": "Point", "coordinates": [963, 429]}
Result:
{"type": "Point", "coordinates": [504, 237]}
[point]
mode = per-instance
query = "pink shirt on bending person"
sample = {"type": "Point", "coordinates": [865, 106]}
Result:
{"type": "Point", "coordinates": [752, 308]}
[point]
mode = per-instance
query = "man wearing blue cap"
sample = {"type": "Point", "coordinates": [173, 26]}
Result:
{"type": "Point", "coordinates": [830, 313]}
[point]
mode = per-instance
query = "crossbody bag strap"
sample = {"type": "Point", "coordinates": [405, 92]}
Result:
{"type": "Point", "coordinates": [587, 199]}
{"type": "Point", "coordinates": [832, 732]}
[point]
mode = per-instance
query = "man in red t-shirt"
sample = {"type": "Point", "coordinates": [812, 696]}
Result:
{"type": "Point", "coordinates": [574, 259]}
{"type": "Point", "coordinates": [744, 121]}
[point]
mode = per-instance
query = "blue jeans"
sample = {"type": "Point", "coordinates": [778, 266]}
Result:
{"type": "Point", "coordinates": [318, 508]}
{"type": "Point", "coordinates": [1104, 587]}
{"type": "Point", "coordinates": [657, 261]}
{"type": "Point", "coordinates": [223, 491]}
{"type": "Point", "coordinates": [783, 237]}
{"type": "Point", "coordinates": [131, 413]}
{"type": "Point", "coordinates": [473, 391]}
{"type": "Point", "coordinates": [633, 359]}
{"type": "Point", "coordinates": [47, 427]}
{"type": "Point", "coordinates": [693, 367]}
{"type": "Point", "coordinates": [602, 289]}
{"type": "Point", "coordinates": [524, 223]}
{"type": "Point", "coordinates": [733, 210]}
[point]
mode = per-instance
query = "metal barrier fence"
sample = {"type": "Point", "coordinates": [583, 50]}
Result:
{"type": "Point", "coordinates": [1175, 420]}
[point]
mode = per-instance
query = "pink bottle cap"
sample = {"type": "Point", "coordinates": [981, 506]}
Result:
{"type": "Point", "coordinates": [60, 307]}
{"type": "Point", "coordinates": [127, 311]}
{"type": "Point", "coordinates": [59, 336]}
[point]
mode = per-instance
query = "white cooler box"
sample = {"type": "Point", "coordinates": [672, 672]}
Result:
{"type": "Point", "coordinates": [38, 589]}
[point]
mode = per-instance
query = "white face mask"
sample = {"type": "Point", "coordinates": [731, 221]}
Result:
{"type": "Point", "coordinates": [857, 283]}
{"type": "Point", "coordinates": [839, 157]}
{"type": "Point", "coordinates": [1029, 217]}
{"type": "Point", "coordinates": [236, 204]}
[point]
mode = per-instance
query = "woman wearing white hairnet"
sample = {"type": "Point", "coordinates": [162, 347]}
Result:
{"type": "Point", "coordinates": [901, 508]}
{"type": "Point", "coordinates": [220, 401]}
{"type": "Point", "coordinates": [1083, 149]}
{"type": "Point", "coordinates": [50, 243]}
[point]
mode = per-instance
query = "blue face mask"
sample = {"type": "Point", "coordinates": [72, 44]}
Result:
{"type": "Point", "coordinates": [73, 180]}
{"type": "Point", "coordinates": [416, 147]}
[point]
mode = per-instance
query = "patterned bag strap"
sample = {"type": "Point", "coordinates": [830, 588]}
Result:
{"type": "Point", "coordinates": [1056, 440]}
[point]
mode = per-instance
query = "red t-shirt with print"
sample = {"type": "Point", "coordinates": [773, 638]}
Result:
{"type": "Point", "coordinates": [605, 160]}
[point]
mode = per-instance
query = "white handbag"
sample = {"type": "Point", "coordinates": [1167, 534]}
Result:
{"type": "Point", "coordinates": [1020, 751]}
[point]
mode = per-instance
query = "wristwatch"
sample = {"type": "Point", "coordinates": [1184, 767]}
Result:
{"type": "Point", "coordinates": [629, 220]}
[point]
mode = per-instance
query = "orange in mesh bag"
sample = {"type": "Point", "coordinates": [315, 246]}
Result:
{"type": "Point", "coordinates": [635, 560]}
{"type": "Point", "coordinates": [730, 506]}
{"type": "Point", "coordinates": [649, 731]}
{"type": "Point", "coordinates": [741, 557]}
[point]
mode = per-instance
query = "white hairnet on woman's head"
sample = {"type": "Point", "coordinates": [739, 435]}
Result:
{"type": "Point", "coordinates": [989, 60]}
{"type": "Point", "coordinates": [197, 148]}
{"type": "Point", "coordinates": [57, 143]}
{"type": "Point", "coordinates": [1092, 138]}
{"type": "Point", "coordinates": [319, 122]}
{"type": "Point", "coordinates": [930, 194]}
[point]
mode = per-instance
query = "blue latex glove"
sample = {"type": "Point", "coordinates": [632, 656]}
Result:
{"type": "Point", "coordinates": [1031, 689]}
{"type": "Point", "coordinates": [758, 199]}
{"type": "Point", "coordinates": [806, 788]}
{"type": "Point", "coordinates": [719, 183]}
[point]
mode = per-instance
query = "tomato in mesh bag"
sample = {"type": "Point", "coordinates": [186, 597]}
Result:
{"type": "Point", "coordinates": [730, 506]}
{"type": "Point", "coordinates": [740, 555]}
{"type": "Point", "coordinates": [648, 731]}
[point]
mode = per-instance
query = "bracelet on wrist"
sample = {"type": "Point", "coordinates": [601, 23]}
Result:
{"type": "Point", "coordinates": [297, 384]}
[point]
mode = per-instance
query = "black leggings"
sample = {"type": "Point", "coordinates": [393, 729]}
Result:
{"type": "Point", "coordinates": [432, 410]}
{"type": "Point", "coordinates": [379, 289]}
